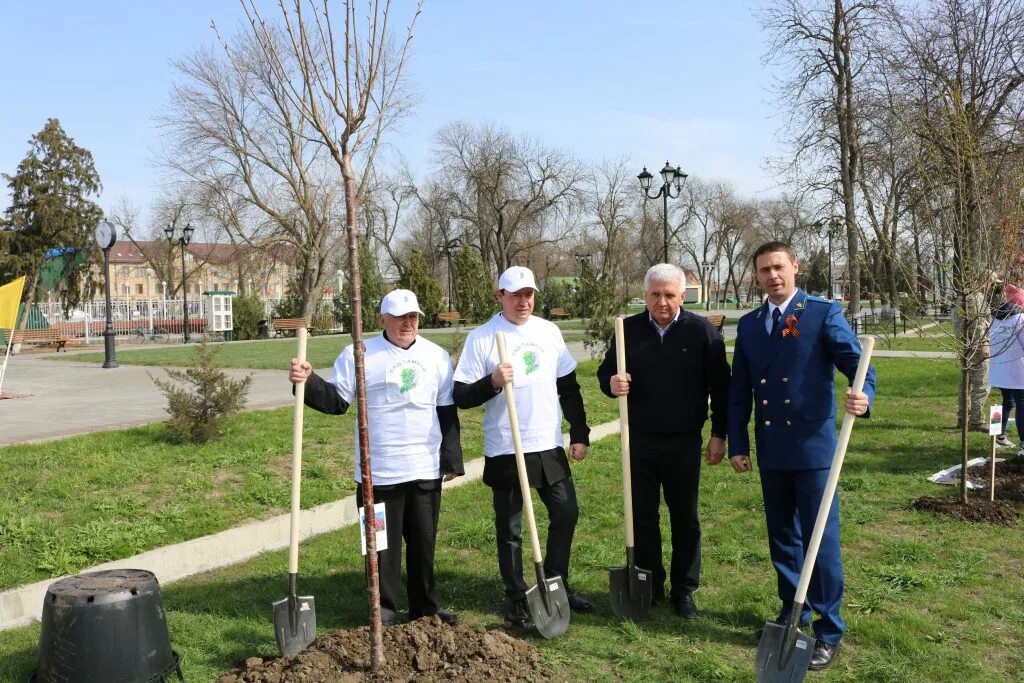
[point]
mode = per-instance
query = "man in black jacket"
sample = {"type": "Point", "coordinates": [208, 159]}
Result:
{"type": "Point", "coordinates": [675, 361]}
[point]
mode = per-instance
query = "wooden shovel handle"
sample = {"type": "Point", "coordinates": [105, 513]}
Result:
{"type": "Point", "coordinates": [867, 345]}
{"type": "Point", "coordinates": [517, 444]}
{"type": "Point", "coordinates": [627, 475]}
{"type": "Point", "coordinates": [300, 403]}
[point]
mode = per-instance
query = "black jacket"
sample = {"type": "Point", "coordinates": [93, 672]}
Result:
{"type": "Point", "coordinates": [672, 376]}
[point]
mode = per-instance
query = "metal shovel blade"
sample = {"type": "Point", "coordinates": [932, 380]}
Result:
{"type": "Point", "coordinates": [630, 592]}
{"type": "Point", "coordinates": [294, 623]}
{"type": "Point", "coordinates": [549, 608]}
{"type": "Point", "coordinates": [783, 654]}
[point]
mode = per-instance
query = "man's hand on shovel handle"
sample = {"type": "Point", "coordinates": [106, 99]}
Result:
{"type": "Point", "coordinates": [620, 384]}
{"type": "Point", "coordinates": [299, 372]}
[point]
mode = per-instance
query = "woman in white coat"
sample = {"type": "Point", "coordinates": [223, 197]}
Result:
{"type": "Point", "coordinates": [1006, 362]}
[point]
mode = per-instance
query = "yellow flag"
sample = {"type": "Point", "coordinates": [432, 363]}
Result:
{"type": "Point", "coordinates": [10, 299]}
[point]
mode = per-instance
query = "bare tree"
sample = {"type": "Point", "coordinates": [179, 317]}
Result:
{"type": "Point", "coordinates": [515, 192]}
{"type": "Point", "coordinates": [343, 82]}
{"type": "Point", "coordinates": [824, 49]}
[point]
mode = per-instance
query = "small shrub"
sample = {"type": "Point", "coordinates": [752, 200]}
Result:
{"type": "Point", "coordinates": [201, 396]}
{"type": "Point", "coordinates": [247, 311]}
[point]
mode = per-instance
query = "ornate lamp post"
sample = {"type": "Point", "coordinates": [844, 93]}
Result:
{"type": "Point", "coordinates": [106, 236]}
{"type": "Point", "coordinates": [183, 238]}
{"type": "Point", "coordinates": [673, 178]}
{"type": "Point", "coordinates": [447, 248]}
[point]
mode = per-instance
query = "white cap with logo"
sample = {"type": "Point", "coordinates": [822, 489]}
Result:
{"type": "Point", "coordinates": [400, 302]}
{"type": "Point", "coordinates": [516, 278]}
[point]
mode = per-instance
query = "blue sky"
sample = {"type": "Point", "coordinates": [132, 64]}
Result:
{"type": "Point", "coordinates": [603, 79]}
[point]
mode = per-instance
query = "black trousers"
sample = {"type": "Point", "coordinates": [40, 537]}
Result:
{"type": "Point", "coordinates": [410, 510]}
{"type": "Point", "coordinates": [560, 500]}
{"type": "Point", "coordinates": [669, 463]}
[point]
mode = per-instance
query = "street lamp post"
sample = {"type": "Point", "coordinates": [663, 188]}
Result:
{"type": "Point", "coordinates": [673, 177]}
{"type": "Point", "coordinates": [106, 236]}
{"type": "Point", "coordinates": [584, 260]}
{"type": "Point", "coordinates": [183, 238]}
{"type": "Point", "coordinates": [447, 248]}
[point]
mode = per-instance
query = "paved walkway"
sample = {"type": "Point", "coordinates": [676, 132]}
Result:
{"type": "Point", "coordinates": [68, 398]}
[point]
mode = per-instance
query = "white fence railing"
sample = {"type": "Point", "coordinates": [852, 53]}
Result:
{"type": "Point", "coordinates": [130, 317]}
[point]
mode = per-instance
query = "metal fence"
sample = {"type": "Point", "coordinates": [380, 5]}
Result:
{"type": "Point", "coordinates": [144, 316]}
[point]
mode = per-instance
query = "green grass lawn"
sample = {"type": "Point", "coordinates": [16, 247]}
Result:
{"type": "Point", "coordinates": [927, 599]}
{"type": "Point", "coordinates": [81, 501]}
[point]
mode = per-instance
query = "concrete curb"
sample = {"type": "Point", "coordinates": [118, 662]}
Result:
{"type": "Point", "coordinates": [23, 605]}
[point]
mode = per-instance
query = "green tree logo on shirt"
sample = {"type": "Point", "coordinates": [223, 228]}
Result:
{"type": "Point", "coordinates": [530, 361]}
{"type": "Point", "coordinates": [408, 379]}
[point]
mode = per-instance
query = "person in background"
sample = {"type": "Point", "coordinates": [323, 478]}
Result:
{"type": "Point", "coordinates": [1006, 360]}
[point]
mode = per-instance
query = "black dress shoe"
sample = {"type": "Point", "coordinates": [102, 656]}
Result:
{"type": "Point", "coordinates": [516, 613]}
{"type": "Point", "coordinates": [444, 615]}
{"type": "Point", "coordinates": [579, 604]}
{"type": "Point", "coordinates": [685, 606]}
{"type": "Point", "coordinates": [823, 655]}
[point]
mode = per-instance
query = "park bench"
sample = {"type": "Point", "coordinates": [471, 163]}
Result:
{"type": "Point", "coordinates": [451, 318]}
{"type": "Point", "coordinates": [282, 325]}
{"type": "Point", "coordinates": [717, 322]}
{"type": "Point", "coordinates": [45, 337]}
{"type": "Point", "coordinates": [557, 313]}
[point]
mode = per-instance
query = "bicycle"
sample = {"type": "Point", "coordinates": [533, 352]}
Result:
{"type": "Point", "coordinates": [143, 335]}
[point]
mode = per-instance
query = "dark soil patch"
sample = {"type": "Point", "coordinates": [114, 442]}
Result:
{"type": "Point", "coordinates": [999, 512]}
{"type": "Point", "coordinates": [424, 650]}
{"type": "Point", "coordinates": [1009, 478]}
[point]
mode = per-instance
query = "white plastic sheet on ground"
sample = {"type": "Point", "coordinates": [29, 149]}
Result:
{"type": "Point", "coordinates": [951, 475]}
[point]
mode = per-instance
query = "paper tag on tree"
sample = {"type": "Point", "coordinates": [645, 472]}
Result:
{"type": "Point", "coordinates": [995, 420]}
{"type": "Point", "coordinates": [380, 522]}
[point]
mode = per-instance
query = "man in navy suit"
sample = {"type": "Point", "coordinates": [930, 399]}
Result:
{"type": "Point", "coordinates": [784, 362]}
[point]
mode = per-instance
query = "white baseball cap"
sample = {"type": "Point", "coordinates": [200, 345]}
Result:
{"type": "Point", "coordinates": [400, 302]}
{"type": "Point", "coordinates": [516, 278]}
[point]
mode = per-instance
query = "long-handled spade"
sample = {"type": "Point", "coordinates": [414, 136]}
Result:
{"type": "Point", "coordinates": [548, 601]}
{"type": "Point", "coordinates": [295, 615]}
{"type": "Point", "coordinates": [784, 653]}
{"type": "Point", "coordinates": [630, 588]}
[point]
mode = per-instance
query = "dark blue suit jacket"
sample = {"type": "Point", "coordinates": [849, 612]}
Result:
{"type": "Point", "coordinates": [790, 379]}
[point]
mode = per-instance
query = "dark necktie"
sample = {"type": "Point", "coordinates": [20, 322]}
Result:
{"type": "Point", "coordinates": [776, 314]}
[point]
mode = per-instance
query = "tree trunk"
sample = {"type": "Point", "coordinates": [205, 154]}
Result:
{"type": "Point", "coordinates": [30, 298]}
{"type": "Point", "coordinates": [965, 396]}
{"type": "Point", "coordinates": [362, 421]}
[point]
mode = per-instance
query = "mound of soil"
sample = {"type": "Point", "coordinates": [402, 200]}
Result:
{"type": "Point", "coordinates": [998, 512]}
{"type": "Point", "coordinates": [1009, 478]}
{"type": "Point", "coordinates": [423, 650]}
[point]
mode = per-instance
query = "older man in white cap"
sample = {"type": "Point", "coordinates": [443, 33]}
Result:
{"type": "Point", "coordinates": [543, 373]}
{"type": "Point", "coordinates": [414, 443]}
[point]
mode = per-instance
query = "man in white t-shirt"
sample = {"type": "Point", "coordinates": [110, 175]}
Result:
{"type": "Point", "coordinates": [543, 373]}
{"type": "Point", "coordinates": [414, 443]}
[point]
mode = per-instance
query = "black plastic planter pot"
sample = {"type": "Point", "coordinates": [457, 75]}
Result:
{"type": "Point", "coordinates": [105, 627]}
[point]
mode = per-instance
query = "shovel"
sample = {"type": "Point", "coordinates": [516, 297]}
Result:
{"type": "Point", "coordinates": [548, 601]}
{"type": "Point", "coordinates": [630, 588]}
{"type": "Point", "coordinates": [295, 615]}
{"type": "Point", "coordinates": [784, 652]}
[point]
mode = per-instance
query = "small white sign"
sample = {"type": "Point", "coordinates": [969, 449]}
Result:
{"type": "Point", "coordinates": [380, 521]}
{"type": "Point", "coordinates": [995, 420]}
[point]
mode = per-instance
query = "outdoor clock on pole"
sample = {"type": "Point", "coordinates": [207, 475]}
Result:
{"type": "Point", "coordinates": [106, 236]}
